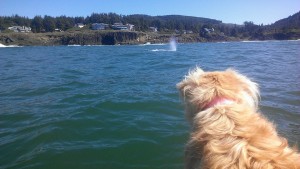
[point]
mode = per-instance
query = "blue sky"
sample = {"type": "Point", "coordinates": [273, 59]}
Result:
{"type": "Point", "coordinates": [228, 11]}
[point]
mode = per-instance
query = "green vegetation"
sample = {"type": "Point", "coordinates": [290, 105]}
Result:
{"type": "Point", "coordinates": [141, 22]}
{"type": "Point", "coordinates": [186, 28]}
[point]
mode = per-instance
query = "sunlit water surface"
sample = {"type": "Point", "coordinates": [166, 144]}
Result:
{"type": "Point", "coordinates": [117, 106]}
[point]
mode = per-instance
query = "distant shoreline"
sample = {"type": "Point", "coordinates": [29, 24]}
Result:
{"type": "Point", "coordinates": [250, 41]}
{"type": "Point", "coordinates": [111, 37]}
{"type": "Point", "coordinates": [113, 29]}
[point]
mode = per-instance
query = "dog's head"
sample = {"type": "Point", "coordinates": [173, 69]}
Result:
{"type": "Point", "coordinates": [199, 89]}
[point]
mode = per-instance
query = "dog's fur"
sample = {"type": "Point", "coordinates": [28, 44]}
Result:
{"type": "Point", "coordinates": [227, 130]}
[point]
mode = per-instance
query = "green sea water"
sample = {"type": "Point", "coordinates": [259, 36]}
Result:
{"type": "Point", "coordinates": [118, 107]}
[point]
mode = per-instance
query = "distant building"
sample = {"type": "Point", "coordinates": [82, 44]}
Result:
{"type": "Point", "coordinates": [189, 32]}
{"type": "Point", "coordinates": [99, 26]}
{"type": "Point", "coordinates": [183, 31]}
{"type": "Point", "coordinates": [207, 30]}
{"type": "Point", "coordinates": [120, 26]}
{"type": "Point", "coordinates": [79, 25]}
{"type": "Point", "coordinates": [153, 29]}
{"type": "Point", "coordinates": [130, 27]}
{"type": "Point", "coordinates": [57, 30]}
{"type": "Point", "coordinates": [20, 28]}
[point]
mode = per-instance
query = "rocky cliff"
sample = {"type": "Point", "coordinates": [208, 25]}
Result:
{"type": "Point", "coordinates": [111, 37]}
{"type": "Point", "coordinates": [99, 38]}
{"type": "Point", "coordinates": [73, 38]}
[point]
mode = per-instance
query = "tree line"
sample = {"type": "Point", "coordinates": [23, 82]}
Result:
{"type": "Point", "coordinates": [142, 22]}
{"type": "Point", "coordinates": [166, 23]}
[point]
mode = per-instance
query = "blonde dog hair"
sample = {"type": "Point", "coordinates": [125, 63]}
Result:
{"type": "Point", "coordinates": [227, 130]}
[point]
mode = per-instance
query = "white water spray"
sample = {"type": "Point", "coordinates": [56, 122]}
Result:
{"type": "Point", "coordinates": [173, 45]}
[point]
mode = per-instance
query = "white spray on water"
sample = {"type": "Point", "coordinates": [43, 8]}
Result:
{"type": "Point", "coordinates": [173, 45]}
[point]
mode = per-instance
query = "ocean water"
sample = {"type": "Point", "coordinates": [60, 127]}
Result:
{"type": "Point", "coordinates": [117, 106]}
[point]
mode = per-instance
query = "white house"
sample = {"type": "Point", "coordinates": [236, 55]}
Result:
{"type": "Point", "coordinates": [99, 26]}
{"type": "Point", "coordinates": [209, 30]}
{"type": "Point", "coordinates": [130, 27]}
{"type": "Point", "coordinates": [58, 30]}
{"type": "Point", "coordinates": [79, 25]}
{"type": "Point", "coordinates": [20, 28]}
{"type": "Point", "coordinates": [153, 29]}
{"type": "Point", "coordinates": [120, 26]}
{"type": "Point", "coordinates": [188, 32]}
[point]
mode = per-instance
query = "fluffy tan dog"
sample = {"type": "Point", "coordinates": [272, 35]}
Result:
{"type": "Point", "coordinates": [227, 130]}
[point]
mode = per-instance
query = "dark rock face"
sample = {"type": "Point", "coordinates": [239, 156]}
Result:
{"type": "Point", "coordinates": [108, 40]}
{"type": "Point", "coordinates": [286, 36]}
{"type": "Point", "coordinates": [100, 38]}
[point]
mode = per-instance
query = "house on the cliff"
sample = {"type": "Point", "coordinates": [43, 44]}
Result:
{"type": "Point", "coordinates": [99, 26]}
{"type": "Point", "coordinates": [79, 25]}
{"type": "Point", "coordinates": [130, 27]}
{"type": "Point", "coordinates": [153, 29]}
{"type": "Point", "coordinates": [58, 30]}
{"type": "Point", "coordinates": [120, 26]}
{"type": "Point", "coordinates": [187, 32]}
{"type": "Point", "coordinates": [207, 30]}
{"type": "Point", "coordinates": [20, 29]}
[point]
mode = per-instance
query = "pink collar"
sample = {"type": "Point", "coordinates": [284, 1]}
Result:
{"type": "Point", "coordinates": [217, 101]}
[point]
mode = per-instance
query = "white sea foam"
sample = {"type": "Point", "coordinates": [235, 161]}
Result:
{"type": "Point", "coordinates": [153, 44]}
{"type": "Point", "coordinates": [261, 41]}
{"type": "Point", "coordinates": [248, 41]}
{"type": "Point", "coordinates": [160, 50]}
{"type": "Point", "coordinates": [74, 45]}
{"type": "Point", "coordinates": [294, 40]}
{"type": "Point", "coordinates": [93, 45]}
{"type": "Point", "coordinates": [223, 42]}
{"type": "Point", "coordinates": [9, 46]}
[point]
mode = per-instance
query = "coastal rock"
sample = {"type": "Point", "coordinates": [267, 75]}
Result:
{"type": "Point", "coordinates": [73, 38]}
{"type": "Point", "coordinates": [112, 37]}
